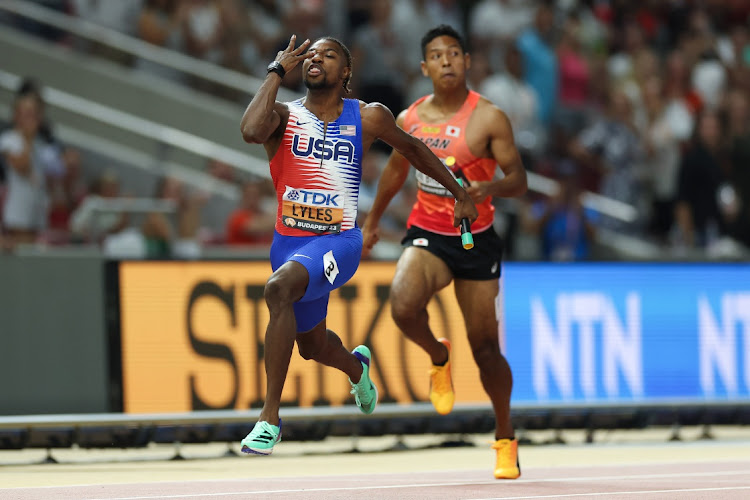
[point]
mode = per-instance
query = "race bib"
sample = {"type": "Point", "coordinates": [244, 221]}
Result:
{"type": "Point", "coordinates": [314, 210]}
{"type": "Point", "coordinates": [330, 267]}
{"type": "Point", "coordinates": [429, 185]}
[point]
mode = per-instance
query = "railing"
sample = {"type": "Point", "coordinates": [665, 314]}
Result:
{"type": "Point", "coordinates": [350, 412]}
{"type": "Point", "coordinates": [138, 48]}
{"type": "Point", "coordinates": [143, 128]}
{"type": "Point", "coordinates": [208, 149]}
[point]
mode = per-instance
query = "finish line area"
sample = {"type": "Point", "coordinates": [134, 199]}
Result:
{"type": "Point", "coordinates": [618, 464]}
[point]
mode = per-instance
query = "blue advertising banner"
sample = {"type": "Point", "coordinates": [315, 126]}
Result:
{"type": "Point", "coordinates": [627, 333]}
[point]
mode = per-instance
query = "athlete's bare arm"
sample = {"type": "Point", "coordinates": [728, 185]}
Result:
{"type": "Point", "coordinates": [265, 118]}
{"type": "Point", "coordinates": [390, 183]}
{"type": "Point", "coordinates": [493, 123]}
{"type": "Point", "coordinates": [378, 123]}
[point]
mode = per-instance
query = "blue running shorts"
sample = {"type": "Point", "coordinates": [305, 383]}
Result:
{"type": "Point", "coordinates": [331, 260]}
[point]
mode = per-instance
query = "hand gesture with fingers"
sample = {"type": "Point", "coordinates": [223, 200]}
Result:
{"type": "Point", "coordinates": [291, 57]}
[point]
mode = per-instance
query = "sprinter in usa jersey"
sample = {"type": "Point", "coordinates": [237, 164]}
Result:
{"type": "Point", "coordinates": [472, 137]}
{"type": "Point", "coordinates": [315, 147]}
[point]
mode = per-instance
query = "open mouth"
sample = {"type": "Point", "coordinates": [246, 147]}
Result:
{"type": "Point", "coordinates": [314, 70]}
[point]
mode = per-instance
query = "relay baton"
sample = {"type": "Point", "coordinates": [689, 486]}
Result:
{"type": "Point", "coordinates": [466, 238]}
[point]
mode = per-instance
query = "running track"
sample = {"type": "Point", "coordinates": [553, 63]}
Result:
{"type": "Point", "coordinates": [616, 470]}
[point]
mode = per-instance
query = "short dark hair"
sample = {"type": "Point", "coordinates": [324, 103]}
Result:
{"type": "Point", "coordinates": [348, 55]}
{"type": "Point", "coordinates": [442, 30]}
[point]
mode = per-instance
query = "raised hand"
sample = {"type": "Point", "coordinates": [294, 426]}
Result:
{"type": "Point", "coordinates": [291, 57]}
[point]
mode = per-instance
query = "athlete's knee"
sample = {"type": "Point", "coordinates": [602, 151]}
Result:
{"type": "Point", "coordinates": [486, 352]}
{"type": "Point", "coordinates": [310, 345]}
{"type": "Point", "coordinates": [279, 291]}
{"type": "Point", "coordinates": [404, 307]}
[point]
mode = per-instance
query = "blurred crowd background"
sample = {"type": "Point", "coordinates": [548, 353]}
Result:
{"type": "Point", "coordinates": [645, 103]}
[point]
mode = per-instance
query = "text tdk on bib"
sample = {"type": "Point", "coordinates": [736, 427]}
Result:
{"type": "Point", "coordinates": [314, 210]}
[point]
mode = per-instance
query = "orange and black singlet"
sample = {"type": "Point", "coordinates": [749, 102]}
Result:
{"type": "Point", "coordinates": [433, 209]}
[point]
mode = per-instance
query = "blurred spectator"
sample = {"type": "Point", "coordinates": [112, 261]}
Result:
{"type": "Point", "coordinates": [65, 195]}
{"type": "Point", "coordinates": [267, 31]}
{"type": "Point", "coordinates": [114, 14]}
{"type": "Point", "coordinates": [499, 21]}
{"type": "Point", "coordinates": [357, 13]}
{"type": "Point", "coordinates": [494, 24]}
{"type": "Point", "coordinates": [162, 23]}
{"type": "Point", "coordinates": [574, 79]}
{"type": "Point", "coordinates": [610, 152]}
{"type": "Point", "coordinates": [162, 238]}
{"type": "Point", "coordinates": [701, 175]}
{"type": "Point", "coordinates": [221, 170]}
{"type": "Point", "coordinates": [251, 223]}
{"type": "Point", "coordinates": [565, 227]}
{"type": "Point", "coordinates": [508, 91]}
{"type": "Point", "coordinates": [540, 69]}
{"type": "Point", "coordinates": [203, 37]}
{"type": "Point", "coordinates": [734, 51]}
{"type": "Point", "coordinates": [630, 44]}
{"type": "Point", "coordinates": [677, 82]}
{"type": "Point", "coordinates": [381, 75]}
{"type": "Point", "coordinates": [709, 79]}
{"type": "Point", "coordinates": [708, 75]}
{"type": "Point", "coordinates": [87, 223]}
{"type": "Point", "coordinates": [118, 15]}
{"type": "Point", "coordinates": [29, 158]}
{"type": "Point", "coordinates": [41, 29]}
{"type": "Point", "coordinates": [29, 86]}
{"type": "Point", "coordinates": [739, 155]}
{"type": "Point", "coordinates": [410, 20]}
{"type": "Point", "coordinates": [479, 70]}
{"type": "Point", "coordinates": [446, 12]}
{"type": "Point", "coordinates": [618, 86]}
{"type": "Point", "coordinates": [237, 49]}
{"type": "Point", "coordinates": [669, 125]}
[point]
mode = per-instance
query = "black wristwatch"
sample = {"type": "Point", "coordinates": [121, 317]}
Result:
{"type": "Point", "coordinates": [277, 68]}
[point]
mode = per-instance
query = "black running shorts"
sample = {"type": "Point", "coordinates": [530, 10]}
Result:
{"type": "Point", "coordinates": [482, 262]}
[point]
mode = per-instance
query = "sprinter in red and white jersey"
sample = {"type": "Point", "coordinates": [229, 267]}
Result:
{"type": "Point", "coordinates": [315, 147]}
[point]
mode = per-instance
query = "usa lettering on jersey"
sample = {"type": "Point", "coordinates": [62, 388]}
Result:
{"type": "Point", "coordinates": [339, 150]}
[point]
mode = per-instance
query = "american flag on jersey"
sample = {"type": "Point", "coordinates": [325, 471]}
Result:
{"type": "Point", "coordinates": [348, 129]}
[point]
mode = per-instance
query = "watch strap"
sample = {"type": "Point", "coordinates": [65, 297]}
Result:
{"type": "Point", "coordinates": [276, 67]}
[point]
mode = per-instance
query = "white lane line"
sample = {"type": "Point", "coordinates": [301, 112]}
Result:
{"type": "Point", "coordinates": [458, 483]}
{"type": "Point", "coordinates": [603, 493]}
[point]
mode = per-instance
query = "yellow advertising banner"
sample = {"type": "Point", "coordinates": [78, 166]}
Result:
{"type": "Point", "coordinates": [193, 333]}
